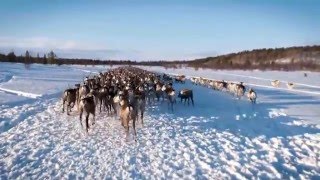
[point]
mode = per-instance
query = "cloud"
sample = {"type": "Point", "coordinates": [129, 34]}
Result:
{"type": "Point", "coordinates": [46, 43]}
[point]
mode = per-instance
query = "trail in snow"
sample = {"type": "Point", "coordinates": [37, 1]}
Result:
{"type": "Point", "coordinates": [20, 93]}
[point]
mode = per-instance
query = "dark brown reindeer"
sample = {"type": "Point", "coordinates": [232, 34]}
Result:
{"type": "Point", "coordinates": [186, 95]}
{"type": "Point", "coordinates": [170, 94]}
{"type": "Point", "coordinates": [87, 105]}
{"type": "Point", "coordinates": [180, 79]}
{"type": "Point", "coordinates": [240, 89]}
{"type": "Point", "coordinates": [140, 101]}
{"type": "Point", "coordinates": [252, 96]}
{"type": "Point", "coordinates": [69, 98]}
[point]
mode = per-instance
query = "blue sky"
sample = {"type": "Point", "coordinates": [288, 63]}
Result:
{"type": "Point", "coordinates": [151, 30]}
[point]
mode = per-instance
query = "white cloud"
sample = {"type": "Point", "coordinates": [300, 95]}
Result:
{"type": "Point", "coordinates": [46, 43]}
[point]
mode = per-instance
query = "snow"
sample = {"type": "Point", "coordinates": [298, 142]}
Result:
{"type": "Point", "coordinates": [220, 137]}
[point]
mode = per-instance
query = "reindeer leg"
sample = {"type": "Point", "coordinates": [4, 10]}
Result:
{"type": "Point", "coordinates": [63, 106]}
{"type": "Point", "coordinates": [94, 119]}
{"type": "Point", "coordinates": [134, 128]}
{"type": "Point", "coordinates": [142, 117]}
{"type": "Point", "coordinates": [81, 111]}
{"type": "Point", "coordinates": [68, 108]}
{"type": "Point", "coordinates": [87, 122]}
{"type": "Point", "coordinates": [109, 108]}
{"type": "Point", "coordinates": [127, 131]}
{"type": "Point", "coordinates": [114, 108]}
{"type": "Point", "coordinates": [77, 104]}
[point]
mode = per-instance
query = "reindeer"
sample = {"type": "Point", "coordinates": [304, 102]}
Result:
{"type": "Point", "coordinates": [69, 97]}
{"type": "Point", "coordinates": [83, 91]}
{"type": "Point", "coordinates": [186, 94]}
{"type": "Point", "coordinates": [290, 85]}
{"type": "Point", "coordinates": [111, 100]}
{"type": "Point", "coordinates": [101, 96]}
{"type": "Point", "coordinates": [240, 89]}
{"type": "Point", "coordinates": [231, 88]}
{"type": "Point", "coordinates": [88, 106]}
{"type": "Point", "coordinates": [127, 114]}
{"type": "Point", "coordinates": [180, 79]}
{"type": "Point", "coordinates": [159, 92]}
{"type": "Point", "coordinates": [219, 85]}
{"type": "Point", "coordinates": [140, 101]}
{"type": "Point", "coordinates": [252, 95]}
{"type": "Point", "coordinates": [275, 83]}
{"type": "Point", "coordinates": [150, 93]}
{"type": "Point", "coordinates": [170, 93]}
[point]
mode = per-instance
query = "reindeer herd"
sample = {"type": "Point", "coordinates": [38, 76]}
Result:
{"type": "Point", "coordinates": [235, 89]}
{"type": "Point", "coordinates": [123, 92]}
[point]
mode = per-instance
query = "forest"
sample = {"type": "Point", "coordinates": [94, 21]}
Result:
{"type": "Point", "coordinates": [290, 58]}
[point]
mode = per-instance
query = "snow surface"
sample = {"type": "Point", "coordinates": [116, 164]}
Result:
{"type": "Point", "coordinates": [220, 138]}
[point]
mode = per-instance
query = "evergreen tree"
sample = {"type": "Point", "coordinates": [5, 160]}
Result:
{"type": "Point", "coordinates": [45, 59]}
{"type": "Point", "coordinates": [11, 56]}
{"type": "Point", "coordinates": [52, 57]}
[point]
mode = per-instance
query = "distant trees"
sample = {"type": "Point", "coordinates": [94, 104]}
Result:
{"type": "Point", "coordinates": [27, 60]}
{"type": "Point", "coordinates": [293, 58]}
{"type": "Point", "coordinates": [11, 56]}
{"type": "Point", "coordinates": [52, 57]}
{"type": "Point", "coordinates": [45, 59]}
{"type": "Point", "coordinates": [278, 58]}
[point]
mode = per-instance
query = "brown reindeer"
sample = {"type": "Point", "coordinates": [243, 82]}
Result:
{"type": "Point", "coordinates": [88, 106]}
{"type": "Point", "coordinates": [69, 97]}
{"type": "Point", "coordinates": [252, 95]}
{"type": "Point", "coordinates": [126, 115]}
{"type": "Point", "coordinates": [140, 101]}
{"type": "Point", "coordinates": [186, 94]}
{"type": "Point", "coordinates": [83, 91]}
{"type": "Point", "coordinates": [170, 94]}
{"type": "Point", "coordinates": [240, 89]}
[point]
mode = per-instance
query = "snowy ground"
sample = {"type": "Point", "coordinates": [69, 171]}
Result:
{"type": "Point", "coordinates": [220, 137]}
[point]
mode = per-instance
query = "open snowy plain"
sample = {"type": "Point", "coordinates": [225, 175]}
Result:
{"type": "Point", "coordinates": [219, 138]}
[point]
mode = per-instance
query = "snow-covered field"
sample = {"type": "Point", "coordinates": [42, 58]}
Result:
{"type": "Point", "coordinates": [220, 138]}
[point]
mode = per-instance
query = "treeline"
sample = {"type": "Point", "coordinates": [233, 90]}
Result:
{"type": "Point", "coordinates": [292, 58]}
{"type": "Point", "coordinates": [51, 58]}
